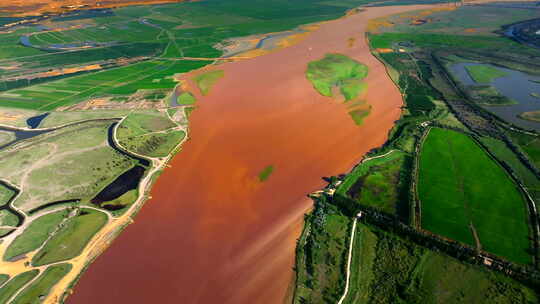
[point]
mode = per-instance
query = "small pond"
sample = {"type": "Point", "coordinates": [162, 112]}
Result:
{"type": "Point", "coordinates": [33, 122]}
{"type": "Point", "coordinates": [515, 85]}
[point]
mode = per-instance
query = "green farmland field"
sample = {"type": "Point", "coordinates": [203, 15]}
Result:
{"type": "Point", "coordinates": [377, 183]}
{"type": "Point", "coordinates": [462, 190]}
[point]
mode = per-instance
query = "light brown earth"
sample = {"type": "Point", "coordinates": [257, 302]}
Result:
{"type": "Point", "coordinates": [213, 233]}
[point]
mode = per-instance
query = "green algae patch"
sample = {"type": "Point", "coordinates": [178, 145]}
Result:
{"type": "Point", "coordinates": [337, 71]}
{"type": "Point", "coordinates": [207, 80]}
{"type": "Point", "coordinates": [265, 173]}
{"type": "Point", "coordinates": [359, 115]}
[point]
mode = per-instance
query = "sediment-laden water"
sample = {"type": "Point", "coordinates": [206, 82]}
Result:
{"type": "Point", "coordinates": [213, 232]}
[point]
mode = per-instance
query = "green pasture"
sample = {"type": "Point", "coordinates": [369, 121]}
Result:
{"type": "Point", "coordinates": [71, 239]}
{"type": "Point", "coordinates": [461, 188]}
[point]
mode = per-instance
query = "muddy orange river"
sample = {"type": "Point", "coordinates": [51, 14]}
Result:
{"type": "Point", "coordinates": [213, 233]}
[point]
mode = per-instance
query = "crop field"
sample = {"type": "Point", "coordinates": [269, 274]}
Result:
{"type": "Point", "coordinates": [484, 73]}
{"type": "Point", "coordinates": [466, 196]}
{"type": "Point", "coordinates": [336, 70]}
{"type": "Point", "coordinates": [389, 269]}
{"type": "Point", "coordinates": [380, 183]}
{"type": "Point", "coordinates": [120, 81]}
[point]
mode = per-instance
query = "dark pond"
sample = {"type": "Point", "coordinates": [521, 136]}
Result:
{"type": "Point", "coordinates": [33, 122]}
{"type": "Point", "coordinates": [515, 85]}
{"type": "Point", "coordinates": [129, 180]}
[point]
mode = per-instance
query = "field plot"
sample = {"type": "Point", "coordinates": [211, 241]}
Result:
{"type": "Point", "coordinates": [389, 269]}
{"type": "Point", "coordinates": [380, 183]}
{"type": "Point", "coordinates": [466, 196]}
{"type": "Point", "coordinates": [152, 75]}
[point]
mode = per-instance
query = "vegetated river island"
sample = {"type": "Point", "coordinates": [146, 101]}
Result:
{"type": "Point", "coordinates": [213, 232]}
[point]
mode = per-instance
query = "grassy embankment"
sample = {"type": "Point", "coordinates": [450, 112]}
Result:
{"type": "Point", "coordinates": [339, 73]}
